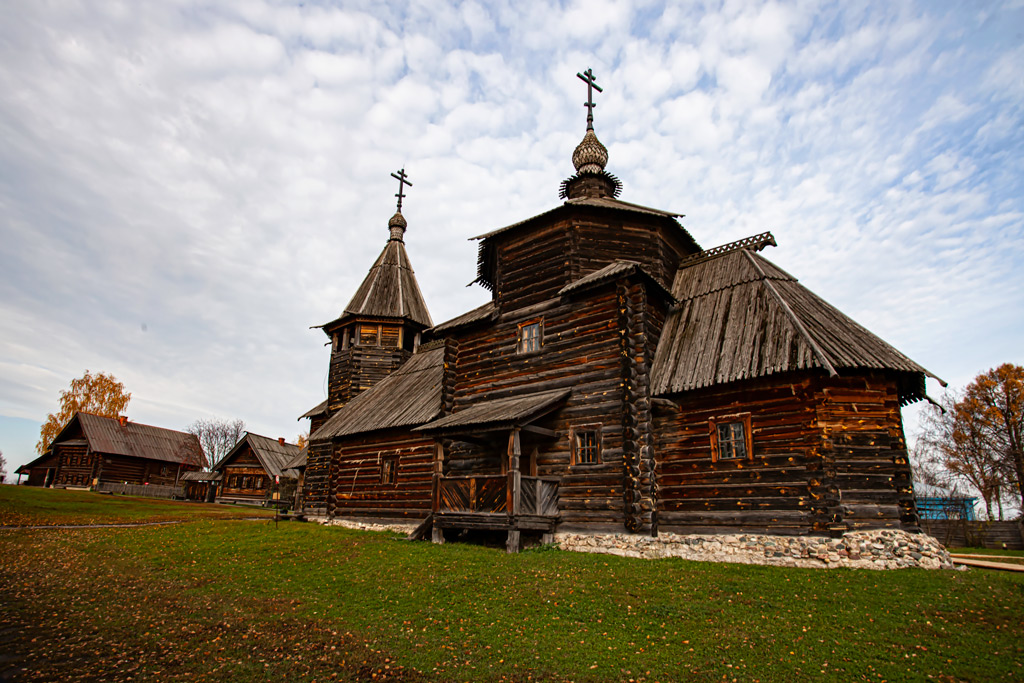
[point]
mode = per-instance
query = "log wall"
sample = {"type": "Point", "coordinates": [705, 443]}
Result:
{"type": "Point", "coordinates": [769, 493]}
{"type": "Point", "coordinates": [580, 350]}
{"type": "Point", "coordinates": [828, 456]}
{"type": "Point", "coordinates": [75, 465]}
{"type": "Point", "coordinates": [356, 489]}
{"type": "Point", "coordinates": [864, 446]}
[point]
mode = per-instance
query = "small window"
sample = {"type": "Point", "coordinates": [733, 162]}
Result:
{"type": "Point", "coordinates": [389, 471]}
{"type": "Point", "coordinates": [368, 335]}
{"type": "Point", "coordinates": [586, 445]}
{"type": "Point", "coordinates": [389, 336]}
{"type": "Point", "coordinates": [163, 471]}
{"type": "Point", "coordinates": [530, 336]}
{"type": "Point", "coordinates": [731, 438]}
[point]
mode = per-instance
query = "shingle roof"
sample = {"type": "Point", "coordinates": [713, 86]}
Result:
{"type": "Point", "coordinates": [479, 313]}
{"type": "Point", "coordinates": [272, 454]}
{"type": "Point", "coordinates": [298, 461]}
{"type": "Point", "coordinates": [486, 258]}
{"type": "Point", "coordinates": [740, 317]}
{"type": "Point", "coordinates": [498, 413]}
{"type": "Point", "coordinates": [136, 440]}
{"type": "Point", "coordinates": [390, 289]}
{"type": "Point", "coordinates": [411, 395]}
{"type": "Point", "coordinates": [600, 202]}
{"type": "Point", "coordinates": [318, 409]}
{"type": "Point", "coordinates": [613, 271]}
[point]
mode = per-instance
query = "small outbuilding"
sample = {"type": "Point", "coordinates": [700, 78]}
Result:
{"type": "Point", "coordinates": [252, 471]}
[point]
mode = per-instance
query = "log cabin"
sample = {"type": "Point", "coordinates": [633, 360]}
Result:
{"type": "Point", "coordinates": [621, 378]}
{"type": "Point", "coordinates": [91, 450]}
{"type": "Point", "coordinates": [251, 472]}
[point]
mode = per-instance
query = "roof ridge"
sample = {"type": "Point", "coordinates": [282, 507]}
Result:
{"type": "Point", "coordinates": [753, 242]}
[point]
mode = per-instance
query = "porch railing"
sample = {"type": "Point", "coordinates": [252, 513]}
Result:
{"type": "Point", "coordinates": [488, 493]}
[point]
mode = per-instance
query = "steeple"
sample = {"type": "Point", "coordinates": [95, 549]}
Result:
{"type": "Point", "coordinates": [380, 327]}
{"type": "Point", "coordinates": [397, 224]}
{"type": "Point", "coordinates": [590, 156]}
{"type": "Point", "coordinates": [390, 289]}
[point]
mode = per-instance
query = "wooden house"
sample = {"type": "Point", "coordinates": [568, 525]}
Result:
{"type": "Point", "coordinates": [620, 378]}
{"type": "Point", "coordinates": [252, 470]}
{"type": "Point", "coordinates": [93, 450]}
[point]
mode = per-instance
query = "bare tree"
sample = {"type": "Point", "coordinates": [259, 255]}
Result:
{"type": "Point", "coordinates": [3, 468]}
{"type": "Point", "coordinates": [217, 437]}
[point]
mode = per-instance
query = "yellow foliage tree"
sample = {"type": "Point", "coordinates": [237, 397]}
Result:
{"type": "Point", "coordinates": [302, 441]}
{"type": "Point", "coordinates": [99, 394]}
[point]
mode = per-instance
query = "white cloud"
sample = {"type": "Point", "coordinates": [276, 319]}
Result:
{"type": "Point", "coordinates": [219, 172]}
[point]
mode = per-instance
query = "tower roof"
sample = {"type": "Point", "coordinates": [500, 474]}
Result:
{"type": "Point", "coordinates": [390, 289]}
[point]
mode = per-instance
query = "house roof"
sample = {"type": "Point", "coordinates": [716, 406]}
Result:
{"type": "Point", "coordinates": [740, 316]}
{"type": "Point", "coordinates": [318, 409]}
{"type": "Point", "coordinates": [389, 290]}
{"type": "Point", "coordinates": [486, 259]}
{"type": "Point", "coordinates": [501, 413]}
{"type": "Point", "coordinates": [133, 439]}
{"type": "Point", "coordinates": [610, 273]}
{"type": "Point", "coordinates": [26, 468]}
{"type": "Point", "coordinates": [485, 312]}
{"type": "Point", "coordinates": [271, 453]}
{"type": "Point", "coordinates": [599, 202]}
{"type": "Point", "coordinates": [299, 461]}
{"type": "Point", "coordinates": [411, 395]}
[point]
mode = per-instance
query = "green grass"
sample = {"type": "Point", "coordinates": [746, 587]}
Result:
{"type": "Point", "coordinates": [30, 505]}
{"type": "Point", "coordinates": [251, 601]}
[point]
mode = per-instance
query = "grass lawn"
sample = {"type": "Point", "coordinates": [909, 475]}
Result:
{"type": "Point", "coordinates": [989, 551]}
{"type": "Point", "coordinates": [223, 600]}
{"type": "Point", "coordinates": [31, 505]}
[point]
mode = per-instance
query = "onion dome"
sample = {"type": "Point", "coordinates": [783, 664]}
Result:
{"type": "Point", "coordinates": [397, 226]}
{"type": "Point", "coordinates": [590, 155]}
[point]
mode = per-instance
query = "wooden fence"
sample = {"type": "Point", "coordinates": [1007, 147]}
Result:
{"type": "Point", "coordinates": [958, 533]}
{"type": "Point", "coordinates": [142, 490]}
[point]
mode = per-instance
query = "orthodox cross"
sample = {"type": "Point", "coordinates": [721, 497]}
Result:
{"type": "Point", "coordinates": [402, 182]}
{"type": "Point", "coordinates": [588, 78]}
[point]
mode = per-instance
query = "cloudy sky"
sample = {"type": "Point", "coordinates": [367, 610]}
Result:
{"type": "Point", "coordinates": [187, 187]}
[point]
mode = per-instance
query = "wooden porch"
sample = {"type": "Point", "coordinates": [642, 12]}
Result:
{"type": "Point", "coordinates": [510, 502]}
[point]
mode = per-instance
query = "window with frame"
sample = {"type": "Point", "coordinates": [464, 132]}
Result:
{"type": "Point", "coordinates": [389, 336]}
{"type": "Point", "coordinates": [530, 336]}
{"type": "Point", "coordinates": [369, 335]}
{"type": "Point", "coordinates": [731, 437]}
{"type": "Point", "coordinates": [389, 471]}
{"type": "Point", "coordinates": [586, 445]}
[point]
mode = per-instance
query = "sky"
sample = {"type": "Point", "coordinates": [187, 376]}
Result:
{"type": "Point", "coordinates": [187, 187]}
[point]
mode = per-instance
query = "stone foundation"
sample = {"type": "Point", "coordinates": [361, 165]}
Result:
{"type": "Point", "coordinates": [877, 549]}
{"type": "Point", "coordinates": [367, 526]}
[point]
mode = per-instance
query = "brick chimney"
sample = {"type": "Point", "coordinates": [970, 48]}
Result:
{"type": "Point", "coordinates": [123, 419]}
{"type": "Point", "coordinates": [280, 440]}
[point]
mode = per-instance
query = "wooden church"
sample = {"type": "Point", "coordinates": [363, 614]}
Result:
{"type": "Point", "coordinates": [620, 378]}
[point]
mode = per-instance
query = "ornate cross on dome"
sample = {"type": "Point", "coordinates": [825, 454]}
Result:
{"type": "Point", "coordinates": [588, 78]}
{"type": "Point", "coordinates": [402, 182]}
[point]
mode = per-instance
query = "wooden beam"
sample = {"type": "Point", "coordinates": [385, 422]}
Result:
{"type": "Point", "coordinates": [539, 430]}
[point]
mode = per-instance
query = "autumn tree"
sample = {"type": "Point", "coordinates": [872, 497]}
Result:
{"type": "Point", "coordinates": [951, 454]}
{"type": "Point", "coordinates": [99, 394]}
{"type": "Point", "coordinates": [995, 403]}
{"type": "Point", "coordinates": [977, 437]}
{"type": "Point", "coordinates": [217, 437]}
{"type": "Point", "coordinates": [303, 440]}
